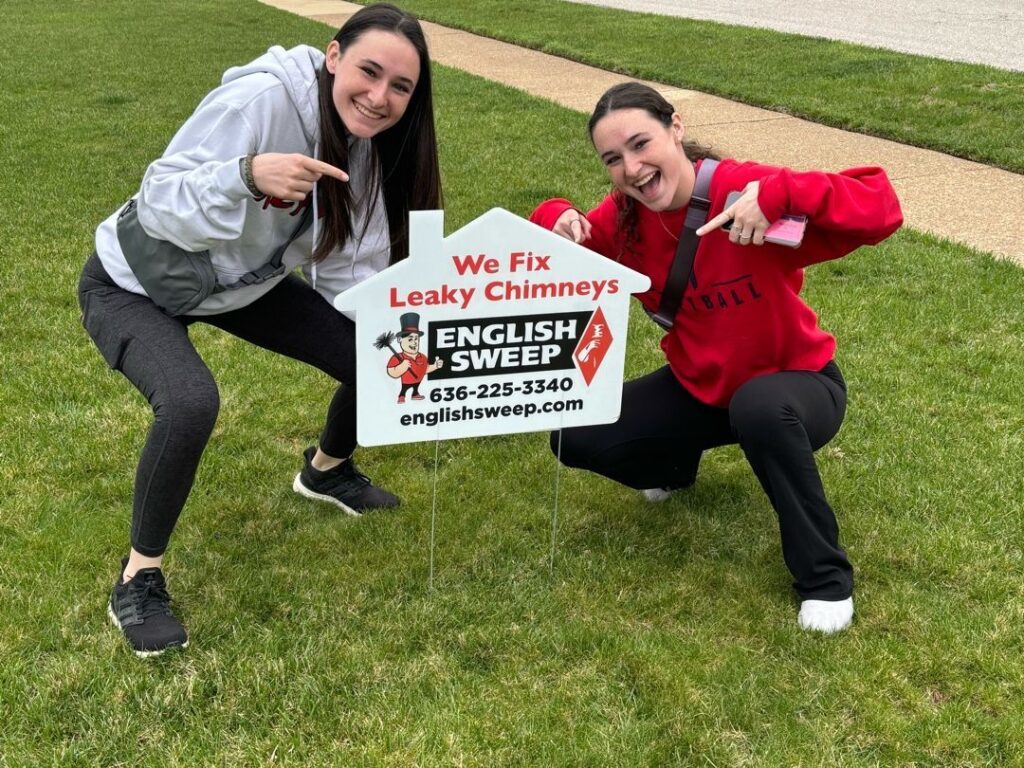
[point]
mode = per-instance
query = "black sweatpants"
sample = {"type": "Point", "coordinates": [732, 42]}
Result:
{"type": "Point", "coordinates": [155, 354]}
{"type": "Point", "coordinates": [779, 420]}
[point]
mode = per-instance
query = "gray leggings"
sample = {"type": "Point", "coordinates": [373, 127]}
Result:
{"type": "Point", "coordinates": [154, 353]}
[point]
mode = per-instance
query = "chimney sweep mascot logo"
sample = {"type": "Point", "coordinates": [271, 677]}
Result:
{"type": "Point", "coordinates": [409, 365]}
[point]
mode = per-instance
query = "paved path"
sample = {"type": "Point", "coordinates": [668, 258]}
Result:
{"type": "Point", "coordinates": [932, 187]}
{"type": "Point", "coordinates": [978, 31]}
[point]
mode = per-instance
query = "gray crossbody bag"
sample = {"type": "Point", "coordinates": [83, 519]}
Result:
{"type": "Point", "coordinates": [177, 280]}
{"type": "Point", "coordinates": [682, 265]}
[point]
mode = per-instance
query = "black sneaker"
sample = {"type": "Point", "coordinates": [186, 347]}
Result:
{"type": "Point", "coordinates": [344, 486]}
{"type": "Point", "coordinates": [141, 609]}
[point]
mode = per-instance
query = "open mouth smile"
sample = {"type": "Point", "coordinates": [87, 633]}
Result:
{"type": "Point", "coordinates": [648, 184]}
{"type": "Point", "coordinates": [367, 112]}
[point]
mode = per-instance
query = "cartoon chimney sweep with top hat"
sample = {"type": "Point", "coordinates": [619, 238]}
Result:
{"type": "Point", "coordinates": [410, 365]}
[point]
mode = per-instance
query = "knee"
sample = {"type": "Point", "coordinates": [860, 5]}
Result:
{"type": "Point", "coordinates": [756, 418]}
{"type": "Point", "coordinates": [568, 447]}
{"type": "Point", "coordinates": [191, 405]}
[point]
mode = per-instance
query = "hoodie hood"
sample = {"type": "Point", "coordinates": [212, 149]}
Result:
{"type": "Point", "coordinates": [296, 69]}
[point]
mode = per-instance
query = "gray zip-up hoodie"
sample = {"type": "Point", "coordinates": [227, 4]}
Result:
{"type": "Point", "coordinates": [194, 195]}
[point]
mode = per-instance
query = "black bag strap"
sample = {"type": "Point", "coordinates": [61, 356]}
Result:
{"type": "Point", "coordinates": [274, 267]}
{"type": "Point", "coordinates": [682, 265]}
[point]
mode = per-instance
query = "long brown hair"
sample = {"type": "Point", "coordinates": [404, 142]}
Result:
{"type": "Point", "coordinates": [404, 156]}
{"type": "Point", "coordinates": [633, 95]}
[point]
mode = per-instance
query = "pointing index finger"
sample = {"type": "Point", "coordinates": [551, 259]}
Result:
{"type": "Point", "coordinates": [325, 169]}
{"type": "Point", "coordinates": [715, 223]}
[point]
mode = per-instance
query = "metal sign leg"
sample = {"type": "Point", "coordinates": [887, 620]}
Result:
{"type": "Point", "coordinates": [554, 511]}
{"type": "Point", "coordinates": [433, 517]}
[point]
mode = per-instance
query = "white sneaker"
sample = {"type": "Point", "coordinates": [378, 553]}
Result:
{"type": "Point", "coordinates": [656, 495]}
{"type": "Point", "coordinates": [826, 616]}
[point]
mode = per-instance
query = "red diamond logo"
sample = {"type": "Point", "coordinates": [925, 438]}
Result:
{"type": "Point", "coordinates": [594, 345]}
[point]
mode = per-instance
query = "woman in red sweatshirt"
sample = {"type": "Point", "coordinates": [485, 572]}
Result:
{"type": "Point", "coordinates": [747, 362]}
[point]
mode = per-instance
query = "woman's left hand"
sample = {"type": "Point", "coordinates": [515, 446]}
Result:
{"type": "Point", "coordinates": [748, 221]}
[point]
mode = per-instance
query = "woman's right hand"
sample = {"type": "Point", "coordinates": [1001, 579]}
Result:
{"type": "Point", "coordinates": [572, 225]}
{"type": "Point", "coordinates": [290, 177]}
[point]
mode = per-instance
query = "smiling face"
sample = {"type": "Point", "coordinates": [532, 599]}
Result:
{"type": "Point", "coordinates": [645, 158]}
{"type": "Point", "coordinates": [374, 79]}
{"type": "Point", "coordinates": [410, 344]}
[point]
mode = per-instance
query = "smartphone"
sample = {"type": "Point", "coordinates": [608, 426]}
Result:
{"type": "Point", "coordinates": [788, 230]}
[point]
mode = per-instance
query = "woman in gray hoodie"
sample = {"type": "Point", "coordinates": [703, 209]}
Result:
{"type": "Point", "coordinates": [317, 155]}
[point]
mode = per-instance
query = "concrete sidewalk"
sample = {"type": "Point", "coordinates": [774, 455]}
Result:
{"type": "Point", "coordinates": [946, 196]}
{"type": "Point", "coordinates": [987, 32]}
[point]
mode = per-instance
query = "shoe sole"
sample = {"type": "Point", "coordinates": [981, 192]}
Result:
{"type": "Point", "coordinates": [302, 490]}
{"type": "Point", "coordinates": [656, 495]}
{"type": "Point", "coordinates": [144, 654]}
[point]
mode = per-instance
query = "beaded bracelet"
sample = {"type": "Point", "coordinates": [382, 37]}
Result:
{"type": "Point", "coordinates": [245, 168]}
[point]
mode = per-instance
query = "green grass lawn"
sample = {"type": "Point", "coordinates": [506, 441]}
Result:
{"type": "Point", "coordinates": [968, 110]}
{"type": "Point", "coordinates": [667, 634]}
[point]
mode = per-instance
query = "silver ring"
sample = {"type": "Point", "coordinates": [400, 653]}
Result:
{"type": "Point", "coordinates": [745, 237]}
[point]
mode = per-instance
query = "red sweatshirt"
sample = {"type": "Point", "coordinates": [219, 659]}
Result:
{"type": "Point", "coordinates": [743, 317]}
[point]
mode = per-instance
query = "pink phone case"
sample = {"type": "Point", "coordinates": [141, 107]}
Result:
{"type": "Point", "coordinates": [788, 230]}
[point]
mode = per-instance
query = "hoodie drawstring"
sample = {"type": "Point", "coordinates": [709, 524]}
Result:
{"type": "Point", "coordinates": [316, 217]}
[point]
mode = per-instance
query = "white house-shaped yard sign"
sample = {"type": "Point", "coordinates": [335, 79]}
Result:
{"type": "Point", "coordinates": [500, 327]}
